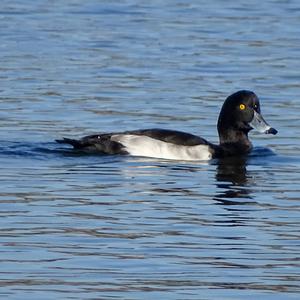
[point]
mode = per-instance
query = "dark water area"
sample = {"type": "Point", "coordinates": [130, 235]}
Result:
{"type": "Point", "coordinates": [77, 226]}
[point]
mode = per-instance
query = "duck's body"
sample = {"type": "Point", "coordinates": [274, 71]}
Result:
{"type": "Point", "coordinates": [156, 143]}
{"type": "Point", "coordinates": [239, 113]}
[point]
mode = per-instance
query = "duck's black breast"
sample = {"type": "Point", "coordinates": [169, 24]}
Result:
{"type": "Point", "coordinates": [230, 149]}
{"type": "Point", "coordinates": [171, 136]}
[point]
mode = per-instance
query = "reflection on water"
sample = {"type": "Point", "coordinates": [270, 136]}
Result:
{"type": "Point", "coordinates": [232, 177]}
{"type": "Point", "coordinates": [102, 227]}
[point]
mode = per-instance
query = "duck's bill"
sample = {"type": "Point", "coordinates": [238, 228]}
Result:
{"type": "Point", "coordinates": [261, 125]}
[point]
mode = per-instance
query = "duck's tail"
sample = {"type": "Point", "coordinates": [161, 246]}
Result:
{"type": "Point", "coordinates": [77, 144]}
{"type": "Point", "coordinates": [95, 144]}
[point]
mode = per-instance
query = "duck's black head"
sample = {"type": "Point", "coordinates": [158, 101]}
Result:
{"type": "Point", "coordinates": [240, 113]}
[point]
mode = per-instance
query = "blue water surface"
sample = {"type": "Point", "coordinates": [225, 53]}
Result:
{"type": "Point", "coordinates": [77, 226]}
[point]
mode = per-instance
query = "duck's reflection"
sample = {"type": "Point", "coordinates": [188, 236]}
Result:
{"type": "Point", "coordinates": [233, 180]}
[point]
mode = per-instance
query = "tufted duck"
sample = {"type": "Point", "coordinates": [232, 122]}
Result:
{"type": "Point", "coordinates": [240, 113]}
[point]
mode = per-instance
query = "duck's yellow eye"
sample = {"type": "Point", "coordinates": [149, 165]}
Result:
{"type": "Point", "coordinates": [242, 106]}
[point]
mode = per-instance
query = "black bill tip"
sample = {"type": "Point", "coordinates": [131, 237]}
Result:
{"type": "Point", "coordinates": [271, 131]}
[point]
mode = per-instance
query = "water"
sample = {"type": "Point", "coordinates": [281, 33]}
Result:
{"type": "Point", "coordinates": [100, 227]}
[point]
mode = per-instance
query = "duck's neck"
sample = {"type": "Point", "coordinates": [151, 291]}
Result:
{"type": "Point", "coordinates": [233, 141]}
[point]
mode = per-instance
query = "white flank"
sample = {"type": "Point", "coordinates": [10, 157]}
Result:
{"type": "Point", "coordinates": [145, 146]}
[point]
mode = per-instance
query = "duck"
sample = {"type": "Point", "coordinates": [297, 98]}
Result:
{"type": "Point", "coordinates": [239, 114]}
